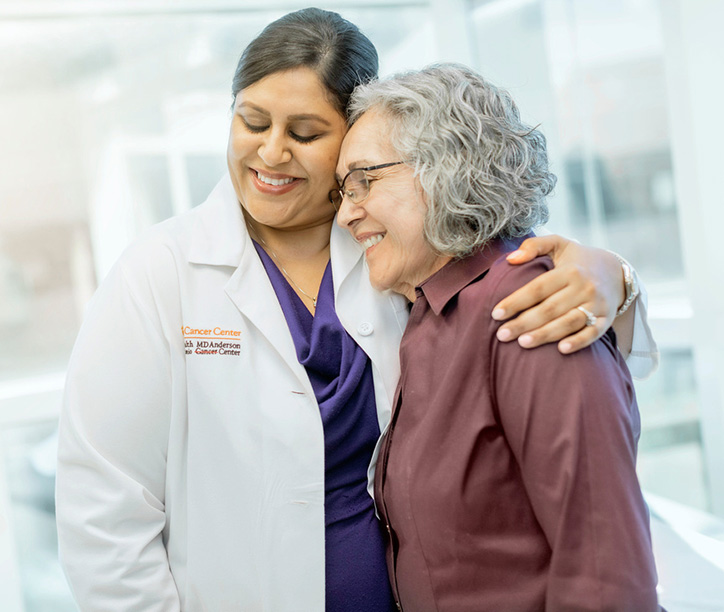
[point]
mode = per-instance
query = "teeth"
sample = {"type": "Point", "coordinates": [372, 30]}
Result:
{"type": "Point", "coordinates": [272, 181]}
{"type": "Point", "coordinates": [372, 241]}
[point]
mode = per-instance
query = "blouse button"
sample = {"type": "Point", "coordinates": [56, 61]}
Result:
{"type": "Point", "coordinates": [365, 328]}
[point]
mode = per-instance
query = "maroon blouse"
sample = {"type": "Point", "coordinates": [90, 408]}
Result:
{"type": "Point", "coordinates": [507, 477]}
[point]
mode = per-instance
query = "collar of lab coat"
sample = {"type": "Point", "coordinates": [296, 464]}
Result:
{"type": "Point", "coordinates": [221, 238]}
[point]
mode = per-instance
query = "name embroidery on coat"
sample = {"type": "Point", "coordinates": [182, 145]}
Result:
{"type": "Point", "coordinates": [211, 340]}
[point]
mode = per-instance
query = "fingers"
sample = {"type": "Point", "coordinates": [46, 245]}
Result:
{"type": "Point", "coordinates": [535, 292]}
{"type": "Point", "coordinates": [533, 247]}
{"type": "Point", "coordinates": [546, 309]}
{"type": "Point", "coordinates": [554, 315]}
{"type": "Point", "coordinates": [582, 339]}
{"type": "Point", "coordinates": [569, 330]}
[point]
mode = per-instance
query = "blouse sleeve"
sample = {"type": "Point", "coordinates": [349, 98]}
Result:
{"type": "Point", "coordinates": [113, 438]}
{"type": "Point", "coordinates": [572, 424]}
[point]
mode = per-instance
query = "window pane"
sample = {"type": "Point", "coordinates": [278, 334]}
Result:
{"type": "Point", "coordinates": [29, 458]}
{"type": "Point", "coordinates": [603, 108]}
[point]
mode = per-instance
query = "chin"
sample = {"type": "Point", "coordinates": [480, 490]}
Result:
{"type": "Point", "coordinates": [378, 285]}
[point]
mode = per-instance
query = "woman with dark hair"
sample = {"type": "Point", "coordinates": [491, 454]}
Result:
{"type": "Point", "coordinates": [235, 369]}
{"type": "Point", "coordinates": [324, 41]}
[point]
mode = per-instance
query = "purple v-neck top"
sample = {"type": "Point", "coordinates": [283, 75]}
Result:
{"type": "Point", "coordinates": [341, 376]}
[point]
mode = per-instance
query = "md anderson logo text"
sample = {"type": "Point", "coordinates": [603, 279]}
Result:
{"type": "Point", "coordinates": [211, 340]}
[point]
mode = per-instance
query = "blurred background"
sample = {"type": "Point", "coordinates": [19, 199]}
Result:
{"type": "Point", "coordinates": [114, 115]}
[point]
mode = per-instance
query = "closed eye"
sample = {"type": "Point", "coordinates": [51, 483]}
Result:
{"type": "Point", "coordinates": [304, 139]}
{"type": "Point", "coordinates": [256, 129]}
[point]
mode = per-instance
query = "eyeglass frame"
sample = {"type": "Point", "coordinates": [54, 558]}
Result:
{"type": "Point", "coordinates": [340, 190]}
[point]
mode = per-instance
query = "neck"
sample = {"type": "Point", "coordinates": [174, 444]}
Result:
{"type": "Point", "coordinates": [300, 254]}
{"type": "Point", "coordinates": [300, 244]}
{"type": "Point", "coordinates": [408, 288]}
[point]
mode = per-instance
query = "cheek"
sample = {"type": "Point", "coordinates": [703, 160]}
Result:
{"type": "Point", "coordinates": [412, 244]}
{"type": "Point", "coordinates": [232, 155]}
{"type": "Point", "coordinates": [323, 164]}
{"type": "Point", "coordinates": [329, 154]}
{"type": "Point", "coordinates": [241, 142]}
{"type": "Point", "coordinates": [233, 150]}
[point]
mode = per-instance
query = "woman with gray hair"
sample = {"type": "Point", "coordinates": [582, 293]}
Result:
{"type": "Point", "coordinates": [506, 478]}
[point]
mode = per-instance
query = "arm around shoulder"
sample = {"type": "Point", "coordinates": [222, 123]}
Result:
{"type": "Point", "coordinates": [596, 280]}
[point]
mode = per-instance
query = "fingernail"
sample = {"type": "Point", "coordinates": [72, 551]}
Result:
{"type": "Point", "coordinates": [565, 347]}
{"type": "Point", "coordinates": [503, 334]}
{"type": "Point", "coordinates": [498, 314]}
{"type": "Point", "coordinates": [513, 255]}
{"type": "Point", "coordinates": [525, 340]}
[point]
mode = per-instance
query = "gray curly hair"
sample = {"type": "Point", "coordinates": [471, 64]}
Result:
{"type": "Point", "coordinates": [484, 173]}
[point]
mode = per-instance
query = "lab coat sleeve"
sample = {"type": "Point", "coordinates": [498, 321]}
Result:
{"type": "Point", "coordinates": [113, 439]}
{"type": "Point", "coordinates": [644, 357]}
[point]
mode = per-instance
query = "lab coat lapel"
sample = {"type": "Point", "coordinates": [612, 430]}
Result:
{"type": "Point", "coordinates": [220, 238]}
{"type": "Point", "coordinates": [343, 258]}
{"type": "Point", "coordinates": [251, 291]}
{"type": "Point", "coordinates": [374, 319]}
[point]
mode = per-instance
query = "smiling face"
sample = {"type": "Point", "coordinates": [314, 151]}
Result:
{"type": "Point", "coordinates": [283, 146]}
{"type": "Point", "coordinates": [389, 223]}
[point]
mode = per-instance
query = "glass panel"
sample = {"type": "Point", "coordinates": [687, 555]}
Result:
{"type": "Point", "coordinates": [670, 461]}
{"type": "Point", "coordinates": [149, 182]}
{"type": "Point", "coordinates": [203, 172]}
{"type": "Point", "coordinates": [603, 108]}
{"type": "Point", "coordinates": [29, 456]}
{"type": "Point", "coordinates": [45, 276]}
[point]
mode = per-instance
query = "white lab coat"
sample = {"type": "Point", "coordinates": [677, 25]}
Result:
{"type": "Point", "coordinates": [196, 481]}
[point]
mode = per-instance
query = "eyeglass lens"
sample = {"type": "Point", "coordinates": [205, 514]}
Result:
{"type": "Point", "coordinates": [356, 186]}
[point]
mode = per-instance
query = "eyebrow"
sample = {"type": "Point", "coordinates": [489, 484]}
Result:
{"type": "Point", "coordinates": [299, 117]}
{"type": "Point", "coordinates": [355, 165]}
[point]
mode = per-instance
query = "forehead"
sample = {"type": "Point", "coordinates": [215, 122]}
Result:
{"type": "Point", "coordinates": [290, 92]}
{"type": "Point", "coordinates": [366, 143]}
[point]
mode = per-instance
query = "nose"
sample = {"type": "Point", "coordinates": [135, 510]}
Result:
{"type": "Point", "coordinates": [349, 214]}
{"type": "Point", "coordinates": [274, 148]}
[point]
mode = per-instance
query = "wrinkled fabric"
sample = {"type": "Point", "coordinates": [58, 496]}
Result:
{"type": "Point", "coordinates": [507, 476]}
{"type": "Point", "coordinates": [341, 376]}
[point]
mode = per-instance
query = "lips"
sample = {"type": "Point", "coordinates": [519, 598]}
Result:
{"type": "Point", "coordinates": [369, 240]}
{"type": "Point", "coordinates": [273, 183]}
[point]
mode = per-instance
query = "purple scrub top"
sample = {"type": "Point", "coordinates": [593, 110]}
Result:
{"type": "Point", "coordinates": [341, 376]}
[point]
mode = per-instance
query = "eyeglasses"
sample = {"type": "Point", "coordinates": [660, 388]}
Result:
{"type": "Point", "coordinates": [356, 184]}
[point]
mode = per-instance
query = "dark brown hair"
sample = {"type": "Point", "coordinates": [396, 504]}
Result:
{"type": "Point", "coordinates": [324, 41]}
